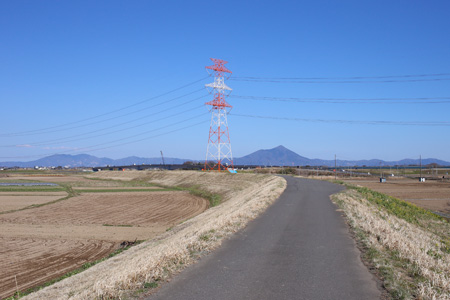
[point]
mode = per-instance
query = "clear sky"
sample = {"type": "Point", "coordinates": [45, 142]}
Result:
{"type": "Point", "coordinates": [122, 78]}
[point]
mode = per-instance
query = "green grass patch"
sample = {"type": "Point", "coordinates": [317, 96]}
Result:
{"type": "Point", "coordinates": [123, 183]}
{"type": "Point", "coordinates": [196, 190]}
{"type": "Point", "coordinates": [151, 285]}
{"type": "Point", "coordinates": [214, 199]}
{"type": "Point", "coordinates": [31, 189]}
{"type": "Point", "coordinates": [123, 190]}
{"type": "Point", "coordinates": [71, 273]}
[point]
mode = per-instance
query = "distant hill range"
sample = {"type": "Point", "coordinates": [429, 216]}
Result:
{"type": "Point", "coordinates": [279, 156]}
{"type": "Point", "coordinates": [85, 160]}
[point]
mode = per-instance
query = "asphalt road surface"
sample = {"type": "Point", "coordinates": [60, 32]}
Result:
{"type": "Point", "coordinates": [300, 248]}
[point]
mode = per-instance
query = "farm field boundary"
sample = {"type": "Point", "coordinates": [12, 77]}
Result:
{"type": "Point", "coordinates": [143, 267]}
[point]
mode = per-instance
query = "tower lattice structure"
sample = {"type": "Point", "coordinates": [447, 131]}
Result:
{"type": "Point", "coordinates": [218, 152]}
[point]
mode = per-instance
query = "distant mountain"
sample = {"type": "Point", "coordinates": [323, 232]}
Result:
{"type": "Point", "coordinates": [273, 157]}
{"type": "Point", "coordinates": [80, 160]}
{"type": "Point", "coordinates": [85, 160]}
{"type": "Point", "coordinates": [281, 156]}
{"type": "Point", "coordinates": [147, 161]}
{"type": "Point", "coordinates": [278, 156]}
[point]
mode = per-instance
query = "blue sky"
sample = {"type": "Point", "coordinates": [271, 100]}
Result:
{"type": "Point", "coordinates": [84, 76]}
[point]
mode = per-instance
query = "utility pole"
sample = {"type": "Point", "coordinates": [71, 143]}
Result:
{"type": "Point", "coordinates": [335, 168]}
{"type": "Point", "coordinates": [421, 167]}
{"type": "Point", "coordinates": [162, 157]}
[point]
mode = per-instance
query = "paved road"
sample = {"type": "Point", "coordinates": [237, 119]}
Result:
{"type": "Point", "coordinates": [299, 248]}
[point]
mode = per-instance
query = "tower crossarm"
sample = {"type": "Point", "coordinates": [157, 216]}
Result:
{"type": "Point", "coordinates": [218, 67]}
{"type": "Point", "coordinates": [219, 84]}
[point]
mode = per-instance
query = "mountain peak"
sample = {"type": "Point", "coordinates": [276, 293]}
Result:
{"type": "Point", "coordinates": [278, 156]}
{"type": "Point", "coordinates": [281, 147]}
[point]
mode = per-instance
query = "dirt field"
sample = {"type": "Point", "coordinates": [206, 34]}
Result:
{"type": "Point", "coordinates": [135, 209]}
{"type": "Point", "coordinates": [33, 261]}
{"type": "Point", "coordinates": [17, 200]}
{"type": "Point", "coordinates": [41, 243]}
{"type": "Point", "coordinates": [433, 194]}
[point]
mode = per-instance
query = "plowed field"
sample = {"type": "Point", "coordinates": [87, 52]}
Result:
{"type": "Point", "coordinates": [9, 201]}
{"type": "Point", "coordinates": [34, 261]}
{"type": "Point", "coordinates": [42, 243]}
{"type": "Point", "coordinates": [136, 208]}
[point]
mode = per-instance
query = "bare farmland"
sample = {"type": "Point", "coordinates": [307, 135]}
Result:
{"type": "Point", "coordinates": [18, 200]}
{"type": "Point", "coordinates": [432, 194]}
{"type": "Point", "coordinates": [41, 243]}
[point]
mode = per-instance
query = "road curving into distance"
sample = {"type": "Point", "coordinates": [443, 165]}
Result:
{"type": "Point", "coordinates": [300, 248]}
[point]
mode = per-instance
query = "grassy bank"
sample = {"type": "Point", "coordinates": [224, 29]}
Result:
{"type": "Point", "coordinates": [408, 246]}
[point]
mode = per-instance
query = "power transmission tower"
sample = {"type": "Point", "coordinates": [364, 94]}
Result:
{"type": "Point", "coordinates": [218, 152]}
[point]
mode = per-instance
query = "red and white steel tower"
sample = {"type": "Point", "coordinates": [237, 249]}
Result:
{"type": "Point", "coordinates": [218, 152]}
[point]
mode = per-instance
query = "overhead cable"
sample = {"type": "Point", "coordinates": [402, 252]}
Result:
{"type": "Point", "coordinates": [361, 122]}
{"type": "Point", "coordinates": [354, 79]}
{"type": "Point", "coordinates": [92, 147]}
{"type": "Point", "coordinates": [422, 100]}
{"type": "Point", "coordinates": [345, 78]}
{"type": "Point", "coordinates": [70, 138]}
{"type": "Point", "coordinates": [115, 131]}
{"type": "Point", "coordinates": [30, 132]}
{"type": "Point", "coordinates": [341, 81]}
{"type": "Point", "coordinates": [36, 132]}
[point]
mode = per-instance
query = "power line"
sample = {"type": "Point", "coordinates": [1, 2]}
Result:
{"type": "Point", "coordinates": [89, 149]}
{"type": "Point", "coordinates": [422, 100]}
{"type": "Point", "coordinates": [106, 120]}
{"type": "Point", "coordinates": [147, 138]}
{"type": "Point", "coordinates": [31, 132]}
{"type": "Point", "coordinates": [365, 122]}
{"type": "Point", "coordinates": [343, 78]}
{"type": "Point", "coordinates": [68, 140]}
{"type": "Point", "coordinates": [353, 79]}
{"type": "Point", "coordinates": [340, 81]}
{"type": "Point", "coordinates": [149, 131]}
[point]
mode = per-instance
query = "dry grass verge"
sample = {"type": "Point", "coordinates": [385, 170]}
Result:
{"type": "Point", "coordinates": [409, 246]}
{"type": "Point", "coordinates": [244, 196]}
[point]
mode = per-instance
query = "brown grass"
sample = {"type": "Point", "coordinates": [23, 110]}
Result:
{"type": "Point", "coordinates": [421, 260]}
